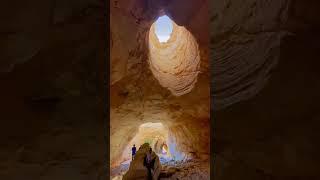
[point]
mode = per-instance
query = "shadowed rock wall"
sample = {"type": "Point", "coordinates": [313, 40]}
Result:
{"type": "Point", "coordinates": [51, 109]}
{"type": "Point", "coordinates": [273, 135]}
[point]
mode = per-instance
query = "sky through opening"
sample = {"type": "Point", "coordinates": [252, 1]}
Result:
{"type": "Point", "coordinates": [163, 28]}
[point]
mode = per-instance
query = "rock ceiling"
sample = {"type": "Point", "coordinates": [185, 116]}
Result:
{"type": "Point", "coordinates": [244, 42]}
{"type": "Point", "coordinates": [176, 63]}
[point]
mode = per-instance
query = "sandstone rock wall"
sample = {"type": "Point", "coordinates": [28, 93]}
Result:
{"type": "Point", "coordinates": [245, 47]}
{"type": "Point", "coordinates": [137, 97]}
{"type": "Point", "coordinates": [51, 61]}
{"type": "Point", "coordinates": [137, 171]}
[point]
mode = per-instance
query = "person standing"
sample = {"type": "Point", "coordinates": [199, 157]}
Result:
{"type": "Point", "coordinates": [149, 163]}
{"type": "Point", "coordinates": [134, 149]}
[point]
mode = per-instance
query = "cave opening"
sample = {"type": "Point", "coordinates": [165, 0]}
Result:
{"type": "Point", "coordinates": [154, 134]}
{"type": "Point", "coordinates": [174, 56]}
{"type": "Point", "coordinates": [163, 28]}
{"type": "Point", "coordinates": [157, 136]}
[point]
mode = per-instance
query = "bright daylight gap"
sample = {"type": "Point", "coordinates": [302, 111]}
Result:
{"type": "Point", "coordinates": [163, 28]}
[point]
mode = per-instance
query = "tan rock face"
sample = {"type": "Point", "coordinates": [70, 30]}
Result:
{"type": "Point", "coordinates": [244, 49]}
{"type": "Point", "coordinates": [245, 40]}
{"type": "Point", "coordinates": [157, 83]}
{"type": "Point", "coordinates": [154, 134]}
{"type": "Point", "coordinates": [176, 63]}
{"type": "Point", "coordinates": [137, 170]}
{"type": "Point", "coordinates": [186, 118]}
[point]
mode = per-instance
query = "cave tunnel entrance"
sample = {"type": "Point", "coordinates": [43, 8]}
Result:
{"type": "Point", "coordinates": [156, 135]}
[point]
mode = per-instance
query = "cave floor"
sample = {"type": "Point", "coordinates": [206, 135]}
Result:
{"type": "Point", "coordinates": [191, 169]}
{"type": "Point", "coordinates": [120, 170]}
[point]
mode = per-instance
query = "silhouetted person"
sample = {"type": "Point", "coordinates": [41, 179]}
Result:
{"type": "Point", "coordinates": [134, 149]}
{"type": "Point", "coordinates": [149, 163]}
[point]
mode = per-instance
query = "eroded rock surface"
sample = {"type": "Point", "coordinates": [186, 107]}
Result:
{"type": "Point", "coordinates": [176, 63]}
{"type": "Point", "coordinates": [189, 170]}
{"type": "Point", "coordinates": [53, 58]}
{"type": "Point", "coordinates": [137, 171]}
{"type": "Point", "coordinates": [245, 47]}
{"type": "Point", "coordinates": [140, 83]}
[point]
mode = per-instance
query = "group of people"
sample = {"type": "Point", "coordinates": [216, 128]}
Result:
{"type": "Point", "coordinates": [148, 162]}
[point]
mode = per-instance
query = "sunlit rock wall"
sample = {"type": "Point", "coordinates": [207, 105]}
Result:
{"type": "Point", "coordinates": [176, 63]}
{"type": "Point", "coordinates": [138, 96]}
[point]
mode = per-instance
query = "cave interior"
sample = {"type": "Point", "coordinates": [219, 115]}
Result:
{"type": "Point", "coordinates": [160, 94]}
{"type": "Point", "coordinates": [264, 94]}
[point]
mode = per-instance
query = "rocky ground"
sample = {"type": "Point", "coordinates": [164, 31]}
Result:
{"type": "Point", "coordinates": [189, 170]}
{"type": "Point", "coordinates": [119, 171]}
{"type": "Point", "coordinates": [192, 169]}
{"type": "Point", "coordinates": [172, 170]}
